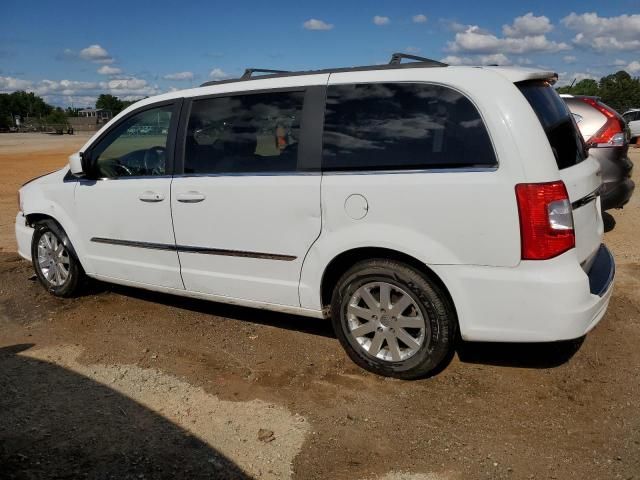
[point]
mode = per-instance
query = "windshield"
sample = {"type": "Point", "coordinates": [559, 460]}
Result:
{"type": "Point", "coordinates": [558, 123]}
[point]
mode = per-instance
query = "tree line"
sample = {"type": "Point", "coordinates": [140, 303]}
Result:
{"type": "Point", "coordinates": [34, 110]}
{"type": "Point", "coordinates": [619, 90]}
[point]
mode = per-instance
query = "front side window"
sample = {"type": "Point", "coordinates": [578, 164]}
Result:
{"type": "Point", "coordinates": [388, 126]}
{"type": "Point", "coordinates": [136, 147]}
{"type": "Point", "coordinates": [250, 133]}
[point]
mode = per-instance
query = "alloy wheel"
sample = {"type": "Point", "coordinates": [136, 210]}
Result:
{"type": "Point", "coordinates": [386, 322]}
{"type": "Point", "coordinates": [53, 259]}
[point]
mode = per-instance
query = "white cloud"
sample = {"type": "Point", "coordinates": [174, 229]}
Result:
{"type": "Point", "coordinates": [315, 24]}
{"type": "Point", "coordinates": [452, 25]}
{"type": "Point", "coordinates": [569, 59]}
{"type": "Point", "coordinates": [65, 92]}
{"type": "Point", "coordinates": [604, 33]}
{"type": "Point", "coordinates": [456, 60]}
{"type": "Point", "coordinates": [619, 62]}
{"type": "Point", "coordinates": [95, 53]}
{"type": "Point", "coordinates": [179, 76]}
{"type": "Point", "coordinates": [605, 43]}
{"type": "Point", "coordinates": [526, 26]}
{"type": "Point", "coordinates": [11, 84]}
{"type": "Point", "coordinates": [218, 74]}
{"type": "Point", "coordinates": [420, 18]}
{"type": "Point", "coordinates": [108, 70]}
{"type": "Point", "coordinates": [79, 101]}
{"type": "Point", "coordinates": [379, 20]}
{"type": "Point", "coordinates": [633, 67]}
{"type": "Point", "coordinates": [493, 59]}
{"type": "Point", "coordinates": [125, 84]}
{"type": "Point", "coordinates": [478, 41]}
{"type": "Point", "coordinates": [63, 87]}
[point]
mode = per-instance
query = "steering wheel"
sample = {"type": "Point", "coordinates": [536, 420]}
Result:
{"type": "Point", "coordinates": [119, 168]}
{"type": "Point", "coordinates": [154, 160]}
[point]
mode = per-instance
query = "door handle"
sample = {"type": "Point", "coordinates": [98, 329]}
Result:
{"type": "Point", "coordinates": [150, 196]}
{"type": "Point", "coordinates": [191, 197]}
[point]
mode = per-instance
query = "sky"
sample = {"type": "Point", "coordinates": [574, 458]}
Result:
{"type": "Point", "coordinates": [69, 52]}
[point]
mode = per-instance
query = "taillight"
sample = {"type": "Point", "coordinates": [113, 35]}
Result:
{"type": "Point", "coordinates": [612, 133]}
{"type": "Point", "coordinates": [546, 220]}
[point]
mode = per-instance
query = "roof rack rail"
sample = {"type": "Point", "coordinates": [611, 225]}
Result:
{"type": "Point", "coordinates": [395, 62]}
{"type": "Point", "coordinates": [397, 57]}
{"type": "Point", "coordinates": [248, 73]}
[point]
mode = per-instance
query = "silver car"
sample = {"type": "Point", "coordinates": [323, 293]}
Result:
{"type": "Point", "coordinates": [632, 117]}
{"type": "Point", "coordinates": [606, 135]}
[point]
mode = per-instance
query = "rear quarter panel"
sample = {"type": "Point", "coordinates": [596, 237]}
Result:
{"type": "Point", "coordinates": [452, 217]}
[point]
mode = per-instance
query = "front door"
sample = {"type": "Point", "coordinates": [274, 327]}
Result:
{"type": "Point", "coordinates": [125, 212]}
{"type": "Point", "coordinates": [246, 210]}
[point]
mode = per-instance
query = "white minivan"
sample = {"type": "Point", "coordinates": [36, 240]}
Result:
{"type": "Point", "coordinates": [410, 203]}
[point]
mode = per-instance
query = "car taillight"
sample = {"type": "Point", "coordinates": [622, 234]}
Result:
{"type": "Point", "coordinates": [612, 133]}
{"type": "Point", "coordinates": [546, 220]}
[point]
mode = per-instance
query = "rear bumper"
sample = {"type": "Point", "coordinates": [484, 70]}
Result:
{"type": "Point", "coordinates": [24, 233]}
{"type": "Point", "coordinates": [537, 301]}
{"type": "Point", "coordinates": [602, 273]}
{"type": "Point", "coordinates": [616, 194]}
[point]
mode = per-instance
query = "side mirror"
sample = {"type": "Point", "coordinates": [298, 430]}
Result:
{"type": "Point", "coordinates": [75, 163]}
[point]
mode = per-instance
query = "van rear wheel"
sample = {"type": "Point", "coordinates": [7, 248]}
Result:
{"type": "Point", "coordinates": [392, 319]}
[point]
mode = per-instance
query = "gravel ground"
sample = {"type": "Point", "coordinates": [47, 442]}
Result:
{"type": "Point", "coordinates": [122, 383]}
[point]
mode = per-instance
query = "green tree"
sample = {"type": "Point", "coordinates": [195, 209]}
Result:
{"type": "Point", "coordinates": [27, 105]}
{"type": "Point", "coordinates": [620, 91]}
{"type": "Point", "coordinates": [57, 117]}
{"type": "Point", "coordinates": [5, 122]}
{"type": "Point", "coordinates": [587, 86]}
{"type": "Point", "coordinates": [110, 102]}
{"type": "Point", "coordinates": [126, 103]}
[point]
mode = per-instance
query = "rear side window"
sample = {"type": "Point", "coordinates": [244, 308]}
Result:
{"type": "Point", "coordinates": [250, 133]}
{"type": "Point", "coordinates": [558, 123]}
{"type": "Point", "coordinates": [389, 126]}
{"type": "Point", "coordinates": [631, 116]}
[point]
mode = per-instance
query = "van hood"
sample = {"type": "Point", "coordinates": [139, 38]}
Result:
{"type": "Point", "coordinates": [50, 177]}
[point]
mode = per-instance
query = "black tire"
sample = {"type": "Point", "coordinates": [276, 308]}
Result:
{"type": "Point", "coordinates": [434, 304]}
{"type": "Point", "coordinates": [76, 278]}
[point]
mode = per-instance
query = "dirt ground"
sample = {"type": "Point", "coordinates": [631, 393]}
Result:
{"type": "Point", "coordinates": [122, 383]}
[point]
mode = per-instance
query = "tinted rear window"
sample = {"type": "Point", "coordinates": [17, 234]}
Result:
{"type": "Point", "coordinates": [390, 126]}
{"type": "Point", "coordinates": [558, 123]}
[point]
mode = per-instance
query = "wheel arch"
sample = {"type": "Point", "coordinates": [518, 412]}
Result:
{"type": "Point", "coordinates": [346, 259]}
{"type": "Point", "coordinates": [36, 217]}
{"type": "Point", "coordinates": [33, 218]}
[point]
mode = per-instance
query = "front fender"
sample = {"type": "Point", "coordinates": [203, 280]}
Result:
{"type": "Point", "coordinates": [54, 198]}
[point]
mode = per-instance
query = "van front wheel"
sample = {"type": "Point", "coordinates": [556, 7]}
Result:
{"type": "Point", "coordinates": [392, 319]}
{"type": "Point", "coordinates": [54, 261]}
